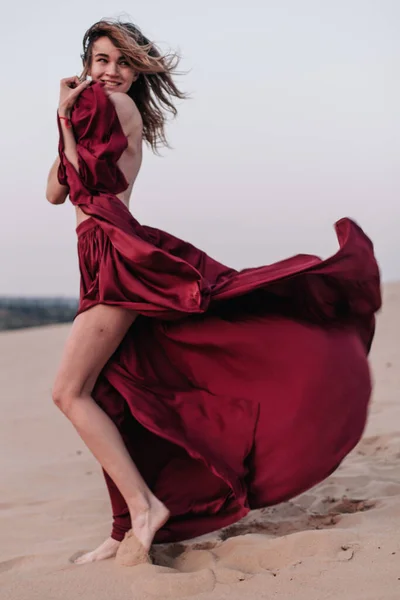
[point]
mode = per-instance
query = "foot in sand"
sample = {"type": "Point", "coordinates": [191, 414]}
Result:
{"type": "Point", "coordinates": [146, 524]}
{"type": "Point", "coordinates": [107, 549]}
{"type": "Point", "coordinates": [134, 549]}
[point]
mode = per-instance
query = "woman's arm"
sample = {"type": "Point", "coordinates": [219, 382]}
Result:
{"type": "Point", "coordinates": [70, 89]}
{"type": "Point", "coordinates": [68, 137]}
{"type": "Point", "coordinates": [55, 192]}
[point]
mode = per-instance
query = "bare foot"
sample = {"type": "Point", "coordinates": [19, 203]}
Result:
{"type": "Point", "coordinates": [107, 549]}
{"type": "Point", "coordinates": [146, 524]}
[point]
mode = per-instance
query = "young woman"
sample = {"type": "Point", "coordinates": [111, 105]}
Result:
{"type": "Point", "coordinates": [202, 391]}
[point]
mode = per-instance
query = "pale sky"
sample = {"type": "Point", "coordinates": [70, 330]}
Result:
{"type": "Point", "coordinates": [293, 124]}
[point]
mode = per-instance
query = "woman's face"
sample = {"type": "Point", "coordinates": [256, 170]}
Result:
{"type": "Point", "coordinates": [110, 67]}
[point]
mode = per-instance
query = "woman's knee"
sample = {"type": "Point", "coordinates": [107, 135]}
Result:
{"type": "Point", "coordinates": [64, 396]}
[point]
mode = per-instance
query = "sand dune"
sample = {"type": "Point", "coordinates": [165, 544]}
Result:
{"type": "Point", "coordinates": [339, 540]}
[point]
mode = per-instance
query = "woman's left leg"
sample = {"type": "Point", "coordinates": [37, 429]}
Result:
{"type": "Point", "coordinates": [95, 336]}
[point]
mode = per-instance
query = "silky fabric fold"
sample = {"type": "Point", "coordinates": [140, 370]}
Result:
{"type": "Point", "coordinates": [233, 389]}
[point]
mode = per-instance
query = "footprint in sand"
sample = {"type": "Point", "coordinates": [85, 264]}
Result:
{"type": "Point", "coordinates": [279, 527]}
{"type": "Point", "coordinates": [347, 506]}
{"type": "Point", "coordinates": [7, 565]}
{"type": "Point", "coordinates": [196, 557]}
{"type": "Point", "coordinates": [380, 446]}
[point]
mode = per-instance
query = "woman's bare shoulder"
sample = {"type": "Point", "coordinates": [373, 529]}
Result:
{"type": "Point", "coordinates": [127, 111]}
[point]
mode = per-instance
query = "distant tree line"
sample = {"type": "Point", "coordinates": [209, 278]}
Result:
{"type": "Point", "coordinates": [16, 313]}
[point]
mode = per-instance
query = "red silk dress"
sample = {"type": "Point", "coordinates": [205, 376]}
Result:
{"type": "Point", "coordinates": [233, 390]}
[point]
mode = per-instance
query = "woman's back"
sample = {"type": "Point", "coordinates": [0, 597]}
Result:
{"type": "Point", "coordinates": [131, 159]}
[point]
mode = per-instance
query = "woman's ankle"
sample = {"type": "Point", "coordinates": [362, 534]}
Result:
{"type": "Point", "coordinates": [140, 504]}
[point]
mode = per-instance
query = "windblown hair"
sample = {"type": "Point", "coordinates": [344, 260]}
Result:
{"type": "Point", "coordinates": [154, 89]}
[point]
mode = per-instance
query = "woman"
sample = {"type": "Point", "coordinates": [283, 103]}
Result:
{"type": "Point", "coordinates": [202, 391]}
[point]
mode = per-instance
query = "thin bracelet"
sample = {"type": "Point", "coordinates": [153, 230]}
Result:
{"type": "Point", "coordinates": [67, 121]}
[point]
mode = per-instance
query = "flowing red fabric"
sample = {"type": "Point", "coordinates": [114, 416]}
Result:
{"type": "Point", "coordinates": [232, 390]}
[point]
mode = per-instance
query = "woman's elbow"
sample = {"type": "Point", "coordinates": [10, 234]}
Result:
{"type": "Point", "coordinates": [55, 198]}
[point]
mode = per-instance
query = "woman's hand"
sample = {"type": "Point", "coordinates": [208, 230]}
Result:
{"type": "Point", "coordinates": [70, 88]}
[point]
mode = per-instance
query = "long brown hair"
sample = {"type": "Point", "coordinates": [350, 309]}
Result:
{"type": "Point", "coordinates": [154, 89]}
